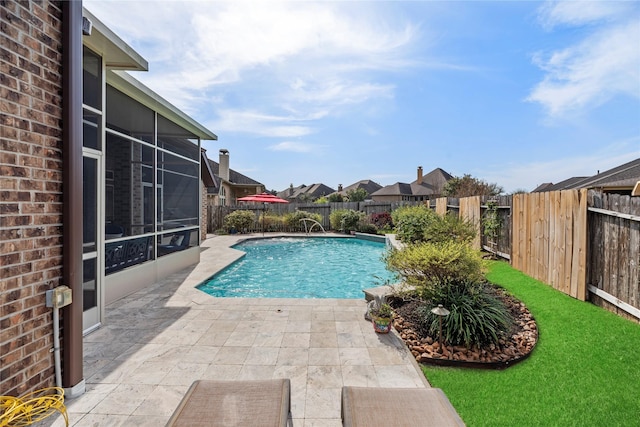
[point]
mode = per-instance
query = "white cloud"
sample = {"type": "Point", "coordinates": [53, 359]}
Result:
{"type": "Point", "coordinates": [296, 147]}
{"type": "Point", "coordinates": [603, 65]}
{"type": "Point", "coordinates": [311, 59]}
{"type": "Point", "coordinates": [257, 123]}
{"type": "Point", "coordinates": [556, 13]}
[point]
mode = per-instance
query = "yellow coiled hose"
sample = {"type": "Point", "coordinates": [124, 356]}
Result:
{"type": "Point", "coordinates": [32, 407]}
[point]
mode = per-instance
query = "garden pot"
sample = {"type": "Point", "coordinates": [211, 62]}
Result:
{"type": "Point", "coordinates": [381, 325]}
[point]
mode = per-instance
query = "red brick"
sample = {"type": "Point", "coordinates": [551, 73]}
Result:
{"type": "Point", "coordinates": [35, 277]}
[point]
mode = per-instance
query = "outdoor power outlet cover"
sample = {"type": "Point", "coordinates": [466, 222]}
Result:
{"type": "Point", "coordinates": [58, 297]}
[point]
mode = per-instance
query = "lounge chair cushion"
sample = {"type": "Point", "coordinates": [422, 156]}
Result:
{"type": "Point", "coordinates": [398, 407]}
{"type": "Point", "coordinates": [234, 403]}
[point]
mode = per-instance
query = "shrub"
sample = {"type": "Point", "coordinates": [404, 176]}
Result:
{"type": "Point", "coordinates": [240, 220]}
{"type": "Point", "coordinates": [271, 221]}
{"type": "Point", "coordinates": [381, 220]}
{"type": "Point", "coordinates": [449, 227]}
{"type": "Point", "coordinates": [335, 198]}
{"type": "Point", "coordinates": [427, 265]}
{"type": "Point", "coordinates": [477, 316]}
{"type": "Point", "coordinates": [357, 195]}
{"type": "Point", "coordinates": [335, 218]}
{"type": "Point", "coordinates": [292, 219]}
{"type": "Point", "coordinates": [365, 227]}
{"type": "Point", "coordinates": [351, 220]}
{"type": "Point", "coordinates": [411, 221]}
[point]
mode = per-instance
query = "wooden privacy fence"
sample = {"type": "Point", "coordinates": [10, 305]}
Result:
{"type": "Point", "coordinates": [613, 277]}
{"type": "Point", "coordinates": [550, 239]}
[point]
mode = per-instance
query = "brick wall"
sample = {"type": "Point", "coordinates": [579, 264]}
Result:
{"type": "Point", "coordinates": [30, 189]}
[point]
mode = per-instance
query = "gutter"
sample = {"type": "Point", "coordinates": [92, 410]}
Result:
{"type": "Point", "coordinates": [72, 196]}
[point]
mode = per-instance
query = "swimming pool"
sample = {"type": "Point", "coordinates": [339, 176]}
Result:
{"type": "Point", "coordinates": [315, 267]}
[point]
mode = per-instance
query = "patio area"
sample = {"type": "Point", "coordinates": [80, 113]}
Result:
{"type": "Point", "coordinates": [156, 342]}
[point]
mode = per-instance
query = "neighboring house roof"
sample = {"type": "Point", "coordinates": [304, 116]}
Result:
{"type": "Point", "coordinates": [312, 191]}
{"type": "Point", "coordinates": [206, 174]}
{"type": "Point", "coordinates": [366, 184]}
{"type": "Point", "coordinates": [432, 185]}
{"type": "Point", "coordinates": [235, 178]}
{"type": "Point", "coordinates": [562, 185]}
{"type": "Point", "coordinates": [624, 176]}
{"type": "Point", "coordinates": [397, 189]}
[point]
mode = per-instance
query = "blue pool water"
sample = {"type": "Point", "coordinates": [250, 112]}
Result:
{"type": "Point", "coordinates": [315, 267]}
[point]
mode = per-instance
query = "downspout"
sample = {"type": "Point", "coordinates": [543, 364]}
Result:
{"type": "Point", "coordinates": [72, 177]}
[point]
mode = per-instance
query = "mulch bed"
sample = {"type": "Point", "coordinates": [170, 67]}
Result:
{"type": "Point", "coordinates": [514, 347]}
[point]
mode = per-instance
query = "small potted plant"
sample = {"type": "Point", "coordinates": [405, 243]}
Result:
{"type": "Point", "coordinates": [381, 315]}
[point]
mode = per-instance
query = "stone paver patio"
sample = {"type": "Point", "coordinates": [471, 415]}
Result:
{"type": "Point", "coordinates": [156, 342]}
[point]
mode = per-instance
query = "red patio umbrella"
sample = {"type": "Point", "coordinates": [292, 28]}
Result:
{"type": "Point", "coordinates": [262, 198]}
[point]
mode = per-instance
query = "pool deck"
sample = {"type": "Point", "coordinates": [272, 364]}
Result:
{"type": "Point", "coordinates": [156, 342]}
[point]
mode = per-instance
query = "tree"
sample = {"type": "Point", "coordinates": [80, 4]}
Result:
{"type": "Point", "coordinates": [336, 198]}
{"type": "Point", "coordinates": [357, 195]}
{"type": "Point", "coordinates": [469, 186]}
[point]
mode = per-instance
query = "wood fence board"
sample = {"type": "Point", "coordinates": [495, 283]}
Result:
{"type": "Point", "coordinates": [623, 257]}
{"type": "Point", "coordinates": [441, 206]}
{"type": "Point", "coordinates": [470, 211]}
{"type": "Point", "coordinates": [547, 231]}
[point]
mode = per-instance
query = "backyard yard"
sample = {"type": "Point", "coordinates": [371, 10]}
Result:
{"type": "Point", "coordinates": [584, 371]}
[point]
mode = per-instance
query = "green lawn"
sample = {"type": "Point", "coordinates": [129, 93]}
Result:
{"type": "Point", "coordinates": [584, 371]}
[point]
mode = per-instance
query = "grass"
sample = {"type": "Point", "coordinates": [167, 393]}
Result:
{"type": "Point", "coordinates": [584, 371]}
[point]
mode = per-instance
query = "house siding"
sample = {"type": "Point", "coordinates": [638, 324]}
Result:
{"type": "Point", "coordinates": [30, 190]}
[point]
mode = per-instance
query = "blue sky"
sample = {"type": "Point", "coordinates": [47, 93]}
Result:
{"type": "Point", "coordinates": [516, 93]}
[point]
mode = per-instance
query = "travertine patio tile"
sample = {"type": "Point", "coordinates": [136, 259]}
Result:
{"type": "Point", "coordinates": [324, 356]}
{"type": "Point", "coordinates": [262, 356]}
{"type": "Point", "coordinates": [354, 356]}
{"type": "Point", "coordinates": [293, 356]}
{"type": "Point", "coordinates": [326, 315]}
{"type": "Point", "coordinates": [241, 339]}
{"type": "Point", "coordinates": [323, 326]}
{"type": "Point", "coordinates": [324, 377]}
{"type": "Point", "coordinates": [231, 355]}
{"type": "Point", "coordinates": [149, 372]}
{"type": "Point", "coordinates": [299, 314]}
{"type": "Point", "coordinates": [351, 340]}
{"type": "Point", "coordinates": [222, 372]}
{"type": "Point", "coordinates": [310, 422]}
{"type": "Point", "coordinates": [323, 340]}
{"type": "Point", "coordinates": [184, 373]}
{"type": "Point", "coordinates": [296, 339]}
{"type": "Point", "coordinates": [348, 327]}
{"type": "Point", "coordinates": [203, 354]}
{"type": "Point", "coordinates": [322, 403]}
{"type": "Point", "coordinates": [268, 339]}
{"type": "Point", "coordinates": [298, 326]}
{"type": "Point", "coordinates": [398, 376]}
{"type": "Point", "coordinates": [256, 372]}
{"type": "Point", "coordinates": [386, 356]}
{"type": "Point", "coordinates": [162, 401]}
{"type": "Point", "coordinates": [214, 338]}
{"type": "Point", "coordinates": [360, 376]}
{"type": "Point", "coordinates": [124, 399]}
{"type": "Point", "coordinates": [146, 420]}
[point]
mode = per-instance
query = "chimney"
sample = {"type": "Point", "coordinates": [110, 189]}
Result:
{"type": "Point", "coordinates": [419, 175]}
{"type": "Point", "coordinates": [223, 172]}
{"type": "Point", "coordinates": [339, 187]}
